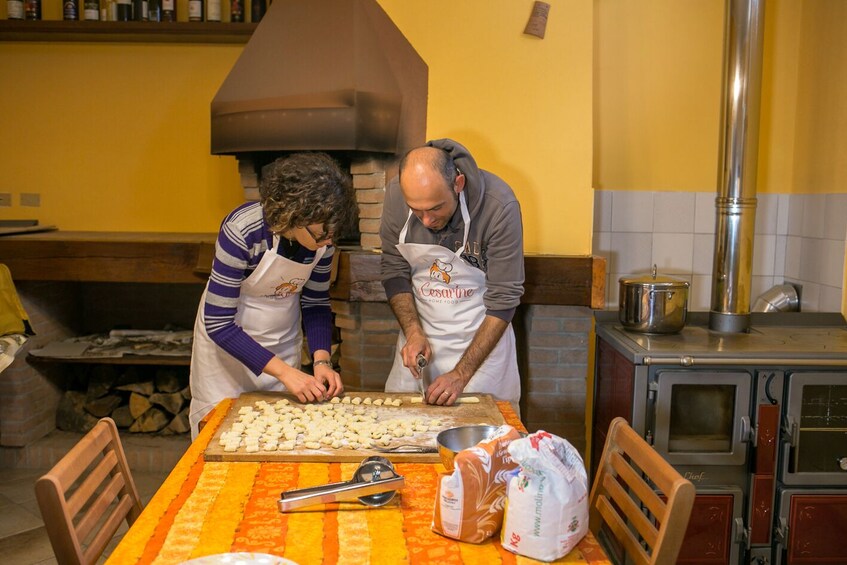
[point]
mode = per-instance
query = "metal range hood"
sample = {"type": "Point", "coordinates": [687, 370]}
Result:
{"type": "Point", "coordinates": [737, 169]}
{"type": "Point", "coordinates": [330, 75]}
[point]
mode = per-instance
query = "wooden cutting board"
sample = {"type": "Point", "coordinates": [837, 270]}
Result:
{"type": "Point", "coordinates": [483, 412]}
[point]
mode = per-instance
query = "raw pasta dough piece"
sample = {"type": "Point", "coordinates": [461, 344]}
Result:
{"type": "Point", "coordinates": [467, 400]}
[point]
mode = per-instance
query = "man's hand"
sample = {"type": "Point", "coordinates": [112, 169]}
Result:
{"type": "Point", "coordinates": [415, 344]}
{"type": "Point", "coordinates": [446, 388]}
{"type": "Point", "coordinates": [403, 306]}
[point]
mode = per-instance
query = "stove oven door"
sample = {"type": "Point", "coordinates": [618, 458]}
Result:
{"type": "Point", "coordinates": [814, 451]}
{"type": "Point", "coordinates": [810, 527]}
{"type": "Point", "coordinates": [715, 533]}
{"type": "Point", "coordinates": [701, 417]}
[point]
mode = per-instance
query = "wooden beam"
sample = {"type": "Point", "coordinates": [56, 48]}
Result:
{"type": "Point", "coordinates": [550, 279]}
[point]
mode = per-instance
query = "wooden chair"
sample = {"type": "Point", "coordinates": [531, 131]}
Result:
{"type": "Point", "coordinates": [626, 512]}
{"type": "Point", "coordinates": [86, 495]}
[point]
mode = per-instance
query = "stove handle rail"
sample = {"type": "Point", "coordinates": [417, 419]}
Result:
{"type": "Point", "coordinates": [690, 361]}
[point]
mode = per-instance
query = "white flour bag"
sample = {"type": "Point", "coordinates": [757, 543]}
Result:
{"type": "Point", "coordinates": [547, 500]}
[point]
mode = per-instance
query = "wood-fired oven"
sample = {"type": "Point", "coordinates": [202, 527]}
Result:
{"type": "Point", "coordinates": [757, 421]}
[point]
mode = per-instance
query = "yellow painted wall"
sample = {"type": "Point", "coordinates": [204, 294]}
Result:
{"type": "Point", "coordinates": [657, 96]}
{"type": "Point", "coordinates": [116, 136]}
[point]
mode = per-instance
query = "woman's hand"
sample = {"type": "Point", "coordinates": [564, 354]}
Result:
{"type": "Point", "coordinates": [305, 387]}
{"type": "Point", "coordinates": [326, 375]}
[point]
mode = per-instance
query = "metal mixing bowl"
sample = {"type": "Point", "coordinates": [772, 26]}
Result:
{"type": "Point", "coordinates": [453, 440]}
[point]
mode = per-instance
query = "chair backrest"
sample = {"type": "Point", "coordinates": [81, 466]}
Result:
{"type": "Point", "coordinates": [625, 504]}
{"type": "Point", "coordinates": [86, 496]}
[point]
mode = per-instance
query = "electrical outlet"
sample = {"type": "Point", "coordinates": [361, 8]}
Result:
{"type": "Point", "coordinates": [32, 199]}
{"type": "Point", "coordinates": [5, 198]}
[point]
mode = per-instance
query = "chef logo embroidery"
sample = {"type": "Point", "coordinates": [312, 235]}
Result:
{"type": "Point", "coordinates": [441, 287]}
{"type": "Point", "coordinates": [287, 288]}
{"type": "Point", "coordinates": [440, 271]}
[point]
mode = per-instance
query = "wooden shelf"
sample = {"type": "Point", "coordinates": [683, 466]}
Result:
{"type": "Point", "coordinates": [187, 258]}
{"type": "Point", "coordinates": [125, 32]}
{"type": "Point", "coordinates": [125, 360]}
{"type": "Point", "coordinates": [109, 256]}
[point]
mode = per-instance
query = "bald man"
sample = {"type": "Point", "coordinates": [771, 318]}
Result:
{"type": "Point", "coordinates": [453, 271]}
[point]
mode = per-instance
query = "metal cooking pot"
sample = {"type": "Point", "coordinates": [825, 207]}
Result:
{"type": "Point", "coordinates": [653, 304]}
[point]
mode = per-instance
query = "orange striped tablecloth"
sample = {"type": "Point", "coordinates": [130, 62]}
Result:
{"type": "Point", "coordinates": [204, 508]}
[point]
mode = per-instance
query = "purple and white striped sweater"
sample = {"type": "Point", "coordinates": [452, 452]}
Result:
{"type": "Point", "coordinates": [243, 239]}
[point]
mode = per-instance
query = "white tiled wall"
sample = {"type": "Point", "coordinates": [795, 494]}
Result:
{"type": "Point", "coordinates": [800, 238]}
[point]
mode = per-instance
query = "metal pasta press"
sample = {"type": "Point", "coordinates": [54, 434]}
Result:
{"type": "Point", "coordinates": [374, 483]}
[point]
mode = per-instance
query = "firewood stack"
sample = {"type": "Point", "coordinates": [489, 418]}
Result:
{"type": "Point", "coordinates": [139, 399]}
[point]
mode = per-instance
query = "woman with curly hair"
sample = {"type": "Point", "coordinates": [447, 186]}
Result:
{"type": "Point", "coordinates": [271, 268]}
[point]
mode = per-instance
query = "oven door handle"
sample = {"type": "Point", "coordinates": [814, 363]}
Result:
{"type": "Point", "coordinates": [745, 430]}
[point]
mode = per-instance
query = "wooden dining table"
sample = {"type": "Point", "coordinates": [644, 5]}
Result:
{"type": "Point", "coordinates": [205, 508]}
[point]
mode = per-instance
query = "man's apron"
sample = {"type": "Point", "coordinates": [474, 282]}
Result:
{"type": "Point", "coordinates": [268, 310]}
{"type": "Point", "coordinates": [448, 297]}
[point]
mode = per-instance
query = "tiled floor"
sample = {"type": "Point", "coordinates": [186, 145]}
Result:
{"type": "Point", "coordinates": [23, 539]}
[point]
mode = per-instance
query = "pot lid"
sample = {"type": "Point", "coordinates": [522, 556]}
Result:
{"type": "Point", "coordinates": [655, 280]}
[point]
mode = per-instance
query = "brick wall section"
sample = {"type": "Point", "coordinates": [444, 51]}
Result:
{"type": "Point", "coordinates": [556, 368]}
{"type": "Point", "coordinates": [369, 175]}
{"type": "Point", "coordinates": [30, 392]}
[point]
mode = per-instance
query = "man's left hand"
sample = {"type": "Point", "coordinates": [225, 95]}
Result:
{"type": "Point", "coordinates": [445, 389]}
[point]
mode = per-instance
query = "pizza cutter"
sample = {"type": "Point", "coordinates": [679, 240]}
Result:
{"type": "Point", "coordinates": [374, 483]}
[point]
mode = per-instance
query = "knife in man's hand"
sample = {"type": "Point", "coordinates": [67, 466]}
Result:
{"type": "Point", "coordinates": [421, 364]}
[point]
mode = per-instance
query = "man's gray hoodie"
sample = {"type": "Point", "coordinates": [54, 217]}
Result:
{"type": "Point", "coordinates": [495, 241]}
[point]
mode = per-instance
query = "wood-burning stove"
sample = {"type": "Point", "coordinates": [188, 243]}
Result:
{"type": "Point", "coordinates": [757, 421]}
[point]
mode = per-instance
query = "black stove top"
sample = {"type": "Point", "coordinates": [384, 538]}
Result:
{"type": "Point", "coordinates": [800, 336]}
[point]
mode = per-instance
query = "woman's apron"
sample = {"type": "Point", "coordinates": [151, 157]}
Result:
{"type": "Point", "coordinates": [268, 310]}
{"type": "Point", "coordinates": [448, 297]}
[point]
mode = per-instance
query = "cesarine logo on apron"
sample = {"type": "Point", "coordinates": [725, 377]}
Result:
{"type": "Point", "coordinates": [287, 288]}
{"type": "Point", "coordinates": [438, 287]}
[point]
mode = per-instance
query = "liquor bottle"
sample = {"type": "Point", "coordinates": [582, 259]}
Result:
{"type": "Point", "coordinates": [213, 10]}
{"type": "Point", "coordinates": [70, 9]}
{"type": "Point", "coordinates": [91, 10]}
{"type": "Point", "coordinates": [236, 11]}
{"type": "Point", "coordinates": [154, 10]}
{"type": "Point", "coordinates": [123, 10]}
{"type": "Point", "coordinates": [257, 10]}
{"type": "Point", "coordinates": [15, 9]}
{"type": "Point", "coordinates": [32, 9]}
{"type": "Point", "coordinates": [168, 10]}
{"type": "Point", "coordinates": [195, 10]}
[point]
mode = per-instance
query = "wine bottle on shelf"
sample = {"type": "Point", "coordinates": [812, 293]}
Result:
{"type": "Point", "coordinates": [213, 10]}
{"type": "Point", "coordinates": [70, 9]}
{"type": "Point", "coordinates": [195, 10]}
{"type": "Point", "coordinates": [236, 11]}
{"type": "Point", "coordinates": [91, 10]}
{"type": "Point", "coordinates": [32, 9]}
{"type": "Point", "coordinates": [15, 9]}
{"type": "Point", "coordinates": [154, 10]}
{"type": "Point", "coordinates": [257, 10]}
{"type": "Point", "coordinates": [139, 10]}
{"type": "Point", "coordinates": [168, 10]}
{"type": "Point", "coordinates": [123, 10]}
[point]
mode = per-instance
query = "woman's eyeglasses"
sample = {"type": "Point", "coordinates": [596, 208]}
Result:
{"type": "Point", "coordinates": [318, 238]}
